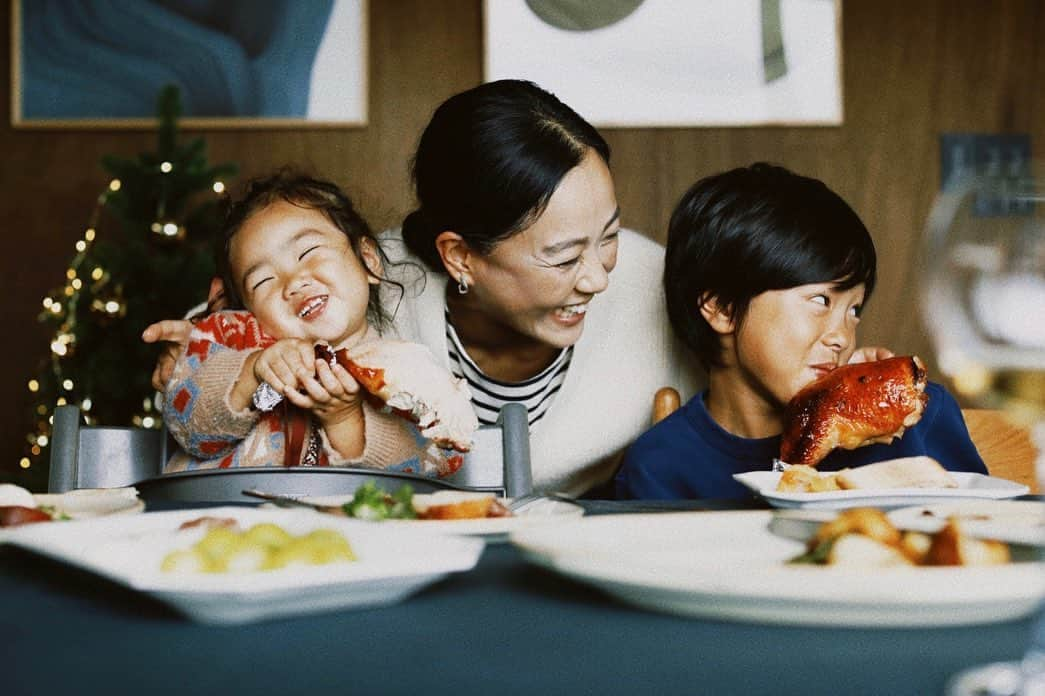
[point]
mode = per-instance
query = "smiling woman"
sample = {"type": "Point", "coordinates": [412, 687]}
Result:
{"type": "Point", "coordinates": [555, 304]}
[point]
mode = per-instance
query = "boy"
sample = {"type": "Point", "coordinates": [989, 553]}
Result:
{"type": "Point", "coordinates": [766, 275]}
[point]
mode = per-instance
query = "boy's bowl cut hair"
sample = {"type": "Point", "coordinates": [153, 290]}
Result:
{"type": "Point", "coordinates": [753, 229]}
{"type": "Point", "coordinates": [306, 192]}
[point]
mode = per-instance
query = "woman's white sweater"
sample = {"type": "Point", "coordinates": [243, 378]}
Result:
{"type": "Point", "coordinates": [626, 353]}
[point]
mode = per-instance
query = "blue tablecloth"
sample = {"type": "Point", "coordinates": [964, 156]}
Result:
{"type": "Point", "coordinates": [507, 627]}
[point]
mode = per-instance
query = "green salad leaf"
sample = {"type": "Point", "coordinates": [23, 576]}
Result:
{"type": "Point", "coordinates": [373, 503]}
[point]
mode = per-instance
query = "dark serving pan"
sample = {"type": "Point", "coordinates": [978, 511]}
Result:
{"type": "Point", "coordinates": [226, 485]}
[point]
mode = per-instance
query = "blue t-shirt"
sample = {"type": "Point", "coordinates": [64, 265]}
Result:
{"type": "Point", "coordinates": [688, 455]}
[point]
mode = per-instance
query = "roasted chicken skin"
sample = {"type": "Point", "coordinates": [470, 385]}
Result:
{"type": "Point", "coordinates": [853, 406]}
{"type": "Point", "coordinates": [405, 378]}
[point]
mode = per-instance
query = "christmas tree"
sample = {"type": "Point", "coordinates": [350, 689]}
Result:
{"type": "Point", "coordinates": [148, 253]}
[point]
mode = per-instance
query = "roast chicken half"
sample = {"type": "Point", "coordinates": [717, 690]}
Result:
{"type": "Point", "coordinates": [853, 406]}
{"type": "Point", "coordinates": [406, 378]}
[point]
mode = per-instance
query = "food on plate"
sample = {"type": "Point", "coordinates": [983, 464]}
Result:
{"type": "Point", "coordinates": [264, 546]}
{"type": "Point", "coordinates": [12, 495]}
{"type": "Point", "coordinates": [14, 515]}
{"type": "Point", "coordinates": [17, 506]}
{"type": "Point", "coordinates": [865, 537]}
{"type": "Point", "coordinates": [950, 547]}
{"type": "Point", "coordinates": [406, 378]}
{"type": "Point", "coordinates": [805, 479]}
{"type": "Point", "coordinates": [372, 503]}
{"type": "Point", "coordinates": [458, 505]}
{"type": "Point", "coordinates": [852, 406]}
{"type": "Point", "coordinates": [209, 522]}
{"type": "Point", "coordinates": [905, 472]}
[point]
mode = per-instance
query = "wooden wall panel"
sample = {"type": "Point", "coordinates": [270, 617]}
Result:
{"type": "Point", "coordinates": [911, 71]}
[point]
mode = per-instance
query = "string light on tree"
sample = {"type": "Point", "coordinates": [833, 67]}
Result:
{"type": "Point", "coordinates": [146, 253]}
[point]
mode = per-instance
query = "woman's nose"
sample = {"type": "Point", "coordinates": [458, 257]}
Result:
{"type": "Point", "coordinates": [593, 278]}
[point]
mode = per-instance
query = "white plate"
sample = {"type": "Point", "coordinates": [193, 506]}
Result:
{"type": "Point", "coordinates": [92, 502]}
{"type": "Point", "coordinates": [1021, 521]}
{"type": "Point", "coordinates": [969, 486]}
{"type": "Point", "coordinates": [542, 512]}
{"type": "Point", "coordinates": [128, 550]}
{"type": "Point", "coordinates": [83, 503]}
{"type": "Point", "coordinates": [727, 565]}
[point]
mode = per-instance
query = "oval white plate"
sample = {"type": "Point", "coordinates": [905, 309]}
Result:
{"type": "Point", "coordinates": [727, 565]}
{"type": "Point", "coordinates": [92, 502]}
{"type": "Point", "coordinates": [1021, 521]}
{"type": "Point", "coordinates": [969, 486]}
{"type": "Point", "coordinates": [392, 563]}
{"type": "Point", "coordinates": [537, 514]}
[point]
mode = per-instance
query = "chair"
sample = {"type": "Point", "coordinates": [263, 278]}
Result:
{"type": "Point", "coordinates": [107, 457]}
{"type": "Point", "coordinates": [101, 456]}
{"type": "Point", "coordinates": [665, 402]}
{"type": "Point", "coordinates": [1006, 448]}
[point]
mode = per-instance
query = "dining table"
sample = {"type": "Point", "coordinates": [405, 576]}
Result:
{"type": "Point", "coordinates": [507, 626]}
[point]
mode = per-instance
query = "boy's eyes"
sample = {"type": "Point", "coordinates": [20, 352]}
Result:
{"type": "Point", "coordinates": [824, 300]}
{"type": "Point", "coordinates": [254, 288]}
{"type": "Point", "coordinates": [306, 252]}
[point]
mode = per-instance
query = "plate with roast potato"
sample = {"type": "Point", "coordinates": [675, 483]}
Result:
{"type": "Point", "coordinates": [731, 566]}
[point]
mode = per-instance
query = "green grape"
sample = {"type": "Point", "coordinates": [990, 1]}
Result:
{"type": "Point", "coordinates": [267, 534]}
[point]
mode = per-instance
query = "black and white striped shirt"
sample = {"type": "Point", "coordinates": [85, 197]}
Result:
{"type": "Point", "coordinates": [489, 394]}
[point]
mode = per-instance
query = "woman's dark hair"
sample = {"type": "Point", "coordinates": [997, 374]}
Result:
{"type": "Point", "coordinates": [488, 162]}
{"type": "Point", "coordinates": [305, 192]}
{"type": "Point", "coordinates": [738, 234]}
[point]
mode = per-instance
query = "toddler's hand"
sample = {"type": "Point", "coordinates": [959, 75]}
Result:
{"type": "Point", "coordinates": [332, 394]}
{"type": "Point", "coordinates": [286, 365]}
{"type": "Point", "coordinates": [334, 398]}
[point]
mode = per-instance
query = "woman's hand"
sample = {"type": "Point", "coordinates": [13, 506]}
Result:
{"type": "Point", "coordinates": [870, 354]}
{"type": "Point", "coordinates": [175, 334]}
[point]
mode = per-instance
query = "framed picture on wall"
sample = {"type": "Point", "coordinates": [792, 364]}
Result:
{"type": "Point", "coordinates": [667, 63]}
{"type": "Point", "coordinates": [237, 63]}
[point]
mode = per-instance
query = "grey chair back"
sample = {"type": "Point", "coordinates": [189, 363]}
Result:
{"type": "Point", "coordinates": [107, 457]}
{"type": "Point", "coordinates": [500, 458]}
{"type": "Point", "coordinates": [101, 456]}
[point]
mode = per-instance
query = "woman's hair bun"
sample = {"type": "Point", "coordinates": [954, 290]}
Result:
{"type": "Point", "coordinates": [418, 237]}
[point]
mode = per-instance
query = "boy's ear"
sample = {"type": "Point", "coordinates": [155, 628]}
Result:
{"type": "Point", "coordinates": [371, 259]}
{"type": "Point", "coordinates": [718, 317]}
{"type": "Point", "coordinates": [456, 255]}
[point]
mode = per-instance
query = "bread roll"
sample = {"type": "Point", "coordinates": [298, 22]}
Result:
{"type": "Point", "coordinates": [12, 495]}
{"type": "Point", "coordinates": [908, 472]}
